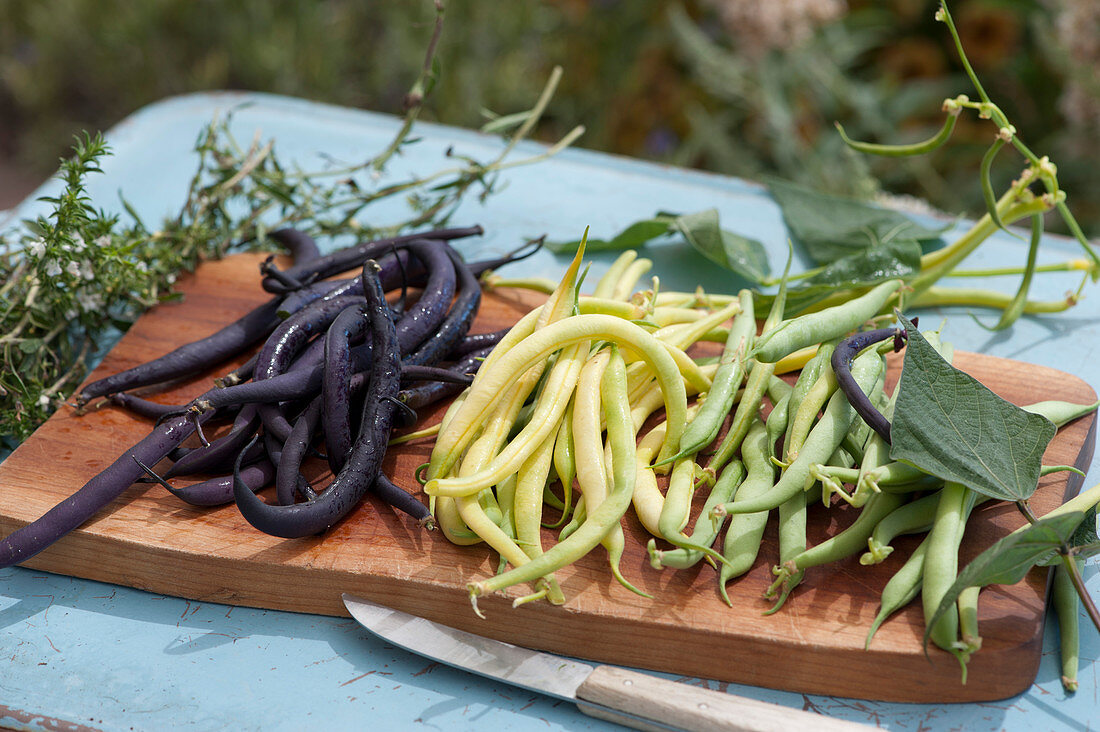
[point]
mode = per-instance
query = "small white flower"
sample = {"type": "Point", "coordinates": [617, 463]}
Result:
{"type": "Point", "coordinates": [44, 401]}
{"type": "Point", "coordinates": [171, 278]}
{"type": "Point", "coordinates": [70, 314]}
{"type": "Point", "coordinates": [73, 269]}
{"type": "Point", "coordinates": [102, 241]}
{"type": "Point", "coordinates": [86, 270]}
{"type": "Point", "coordinates": [78, 243]}
{"type": "Point", "coordinates": [141, 267]}
{"type": "Point", "coordinates": [37, 248]}
{"type": "Point", "coordinates": [53, 269]}
{"type": "Point", "coordinates": [88, 301]}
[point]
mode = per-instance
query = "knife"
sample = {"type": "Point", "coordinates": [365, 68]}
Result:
{"type": "Point", "coordinates": [615, 694]}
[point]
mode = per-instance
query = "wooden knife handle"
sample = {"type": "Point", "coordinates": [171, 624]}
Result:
{"type": "Point", "coordinates": [633, 699]}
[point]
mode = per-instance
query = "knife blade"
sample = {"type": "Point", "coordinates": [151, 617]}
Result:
{"type": "Point", "coordinates": [630, 698]}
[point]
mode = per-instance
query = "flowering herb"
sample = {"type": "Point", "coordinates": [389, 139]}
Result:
{"type": "Point", "coordinates": [71, 279]}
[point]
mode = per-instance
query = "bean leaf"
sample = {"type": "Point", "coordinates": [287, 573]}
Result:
{"type": "Point", "coordinates": [633, 236]}
{"type": "Point", "coordinates": [891, 261]}
{"type": "Point", "coordinates": [740, 254]}
{"type": "Point", "coordinates": [1085, 542]}
{"type": "Point", "coordinates": [950, 425]}
{"type": "Point", "coordinates": [1009, 560]}
{"type": "Point", "coordinates": [702, 230]}
{"type": "Point", "coordinates": [832, 227]}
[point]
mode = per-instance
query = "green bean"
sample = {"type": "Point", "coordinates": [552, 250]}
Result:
{"type": "Point", "coordinates": [1067, 607]}
{"type": "Point", "coordinates": [910, 518]}
{"type": "Point", "coordinates": [1059, 412]}
{"type": "Point", "coordinates": [822, 442]}
{"type": "Point", "coordinates": [791, 335]}
{"type": "Point", "coordinates": [778, 388]}
{"type": "Point", "coordinates": [702, 430]}
{"type": "Point", "coordinates": [967, 604]}
{"type": "Point", "coordinates": [793, 518]}
{"type": "Point", "coordinates": [776, 423]}
{"type": "Point", "coordinates": [602, 518]}
{"type": "Point", "coordinates": [759, 381]}
{"type": "Point", "coordinates": [901, 589]}
{"type": "Point", "coordinates": [813, 370]}
{"type": "Point", "coordinates": [1016, 307]}
{"type": "Point", "coordinates": [916, 148]}
{"type": "Point", "coordinates": [803, 419]}
{"type": "Point", "coordinates": [742, 541]}
{"type": "Point", "coordinates": [839, 546]}
{"type": "Point", "coordinates": [675, 514]}
{"type": "Point", "coordinates": [705, 531]}
{"type": "Point", "coordinates": [987, 185]}
{"type": "Point", "coordinates": [941, 566]}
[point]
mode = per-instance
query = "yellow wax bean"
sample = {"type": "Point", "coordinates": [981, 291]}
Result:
{"type": "Point", "coordinates": [648, 499]}
{"type": "Point", "coordinates": [600, 520]}
{"type": "Point", "coordinates": [534, 350]}
{"type": "Point", "coordinates": [630, 278]}
{"type": "Point", "coordinates": [605, 287]}
{"type": "Point", "coordinates": [544, 422]}
{"type": "Point", "coordinates": [452, 525]}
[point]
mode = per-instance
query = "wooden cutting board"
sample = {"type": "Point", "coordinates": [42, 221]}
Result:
{"type": "Point", "coordinates": [149, 540]}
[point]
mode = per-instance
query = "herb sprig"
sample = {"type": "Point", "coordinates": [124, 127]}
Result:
{"type": "Point", "coordinates": [70, 280]}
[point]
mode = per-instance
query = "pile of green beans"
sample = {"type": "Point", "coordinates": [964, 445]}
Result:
{"type": "Point", "coordinates": [561, 406]}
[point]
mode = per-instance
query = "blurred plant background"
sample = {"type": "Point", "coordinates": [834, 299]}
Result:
{"type": "Point", "coordinates": [736, 86]}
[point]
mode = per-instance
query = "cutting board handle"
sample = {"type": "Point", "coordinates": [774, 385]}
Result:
{"type": "Point", "coordinates": [639, 700]}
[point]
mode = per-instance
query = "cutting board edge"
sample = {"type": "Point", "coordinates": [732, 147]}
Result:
{"type": "Point", "coordinates": [662, 652]}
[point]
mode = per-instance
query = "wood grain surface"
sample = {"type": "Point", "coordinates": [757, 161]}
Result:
{"type": "Point", "coordinates": [149, 540]}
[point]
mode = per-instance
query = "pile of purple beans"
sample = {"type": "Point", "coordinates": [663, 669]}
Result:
{"type": "Point", "coordinates": [336, 369]}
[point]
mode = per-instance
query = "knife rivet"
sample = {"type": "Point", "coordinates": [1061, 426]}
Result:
{"type": "Point", "coordinates": [703, 705]}
{"type": "Point", "coordinates": [628, 682]}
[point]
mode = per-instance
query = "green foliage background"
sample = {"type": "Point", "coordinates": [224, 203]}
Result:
{"type": "Point", "coordinates": [669, 82]}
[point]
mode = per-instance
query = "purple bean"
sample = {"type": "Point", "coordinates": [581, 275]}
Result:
{"type": "Point", "coordinates": [364, 462]}
{"type": "Point", "coordinates": [220, 454]}
{"type": "Point", "coordinates": [842, 359]}
{"type": "Point", "coordinates": [435, 373]}
{"type": "Point", "coordinates": [289, 476]}
{"type": "Point", "coordinates": [190, 358]}
{"type": "Point", "coordinates": [351, 257]}
{"type": "Point", "coordinates": [144, 407]}
{"type": "Point", "coordinates": [397, 497]}
{"type": "Point", "coordinates": [25, 542]}
{"type": "Point", "coordinates": [300, 245]}
{"type": "Point", "coordinates": [219, 491]}
{"type": "Point", "coordinates": [425, 394]}
{"type": "Point", "coordinates": [476, 342]}
{"type": "Point", "coordinates": [336, 382]}
{"type": "Point", "coordinates": [458, 320]}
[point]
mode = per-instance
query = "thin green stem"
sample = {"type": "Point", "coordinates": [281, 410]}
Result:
{"type": "Point", "coordinates": [937, 264]}
{"type": "Point", "coordinates": [935, 296]}
{"type": "Point", "coordinates": [945, 16]}
{"type": "Point", "coordinates": [414, 100]}
{"type": "Point", "coordinates": [1082, 591]}
{"type": "Point", "coordinates": [1073, 265]}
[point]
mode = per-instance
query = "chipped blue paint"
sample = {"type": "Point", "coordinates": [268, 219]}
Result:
{"type": "Point", "coordinates": [87, 655]}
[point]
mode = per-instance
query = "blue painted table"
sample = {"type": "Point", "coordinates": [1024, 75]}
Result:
{"type": "Point", "coordinates": [85, 654]}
